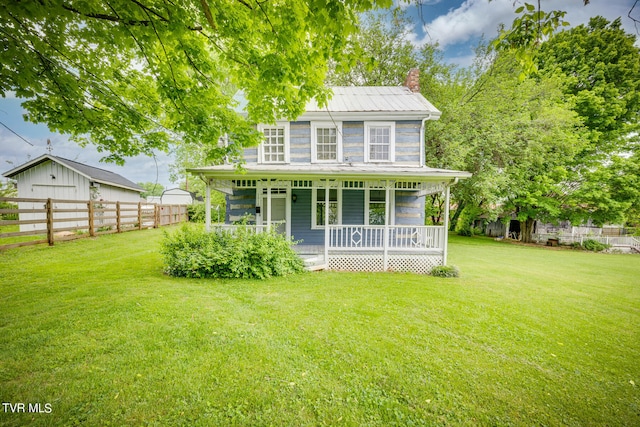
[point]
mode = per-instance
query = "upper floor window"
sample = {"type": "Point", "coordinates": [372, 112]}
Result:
{"type": "Point", "coordinates": [379, 141]}
{"type": "Point", "coordinates": [275, 147]}
{"type": "Point", "coordinates": [326, 142]}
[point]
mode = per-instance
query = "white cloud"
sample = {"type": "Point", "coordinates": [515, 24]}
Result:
{"type": "Point", "coordinates": [469, 21]}
{"type": "Point", "coordinates": [474, 18]}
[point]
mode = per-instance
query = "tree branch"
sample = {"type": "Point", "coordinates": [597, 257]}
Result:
{"type": "Point", "coordinates": [105, 17]}
{"type": "Point", "coordinates": [266, 16]}
{"type": "Point", "coordinates": [130, 22]}
{"type": "Point", "coordinates": [207, 14]}
{"type": "Point", "coordinates": [245, 4]}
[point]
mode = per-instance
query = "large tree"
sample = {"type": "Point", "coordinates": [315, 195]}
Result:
{"type": "Point", "coordinates": [133, 76]}
{"type": "Point", "coordinates": [600, 66]}
{"type": "Point", "coordinates": [515, 136]}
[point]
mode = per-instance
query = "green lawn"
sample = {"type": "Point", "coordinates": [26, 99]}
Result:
{"type": "Point", "coordinates": [18, 239]}
{"type": "Point", "coordinates": [526, 336]}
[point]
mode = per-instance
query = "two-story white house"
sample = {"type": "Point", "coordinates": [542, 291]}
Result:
{"type": "Point", "coordinates": [348, 181]}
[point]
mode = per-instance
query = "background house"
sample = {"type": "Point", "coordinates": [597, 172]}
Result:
{"type": "Point", "coordinates": [54, 177]}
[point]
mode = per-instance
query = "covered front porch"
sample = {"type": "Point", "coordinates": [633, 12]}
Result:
{"type": "Point", "coordinates": [378, 248]}
{"type": "Point", "coordinates": [365, 220]}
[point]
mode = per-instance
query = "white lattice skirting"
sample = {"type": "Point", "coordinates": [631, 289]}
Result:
{"type": "Point", "coordinates": [420, 264]}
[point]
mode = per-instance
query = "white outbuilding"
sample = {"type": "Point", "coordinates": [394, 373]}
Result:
{"type": "Point", "coordinates": [52, 177]}
{"type": "Point", "coordinates": [177, 196]}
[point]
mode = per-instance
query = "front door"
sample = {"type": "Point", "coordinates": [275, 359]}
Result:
{"type": "Point", "coordinates": [278, 212]}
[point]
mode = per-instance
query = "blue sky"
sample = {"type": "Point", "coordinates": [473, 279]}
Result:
{"type": "Point", "coordinates": [456, 25]}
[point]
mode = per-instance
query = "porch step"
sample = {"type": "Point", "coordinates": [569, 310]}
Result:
{"type": "Point", "coordinates": [313, 262]}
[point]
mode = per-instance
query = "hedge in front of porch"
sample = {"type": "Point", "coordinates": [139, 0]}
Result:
{"type": "Point", "coordinates": [242, 253]}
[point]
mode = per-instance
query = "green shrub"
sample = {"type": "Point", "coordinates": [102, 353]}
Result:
{"type": "Point", "coordinates": [594, 245]}
{"type": "Point", "coordinates": [445, 271]}
{"type": "Point", "coordinates": [469, 231]}
{"type": "Point", "coordinates": [196, 212]}
{"type": "Point", "coordinates": [241, 253]}
{"type": "Point", "coordinates": [466, 232]}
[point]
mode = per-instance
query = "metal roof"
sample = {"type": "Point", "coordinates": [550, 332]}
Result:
{"type": "Point", "coordinates": [322, 171]}
{"type": "Point", "coordinates": [375, 99]}
{"type": "Point", "coordinates": [364, 102]}
{"type": "Point", "coordinates": [101, 176]}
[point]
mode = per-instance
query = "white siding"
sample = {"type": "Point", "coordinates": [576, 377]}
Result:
{"type": "Point", "coordinates": [115, 194]}
{"type": "Point", "coordinates": [51, 180]}
{"type": "Point", "coordinates": [35, 182]}
{"type": "Point", "coordinates": [176, 196]}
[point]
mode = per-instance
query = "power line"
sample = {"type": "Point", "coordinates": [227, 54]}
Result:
{"type": "Point", "coordinates": [16, 134]}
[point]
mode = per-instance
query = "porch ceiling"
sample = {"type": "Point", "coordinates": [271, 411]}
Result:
{"type": "Point", "coordinates": [320, 171]}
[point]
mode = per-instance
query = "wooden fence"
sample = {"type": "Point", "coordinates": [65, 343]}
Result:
{"type": "Point", "coordinates": [25, 221]}
{"type": "Point", "coordinates": [567, 239]}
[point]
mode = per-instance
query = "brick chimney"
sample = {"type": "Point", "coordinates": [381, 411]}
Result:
{"type": "Point", "coordinates": [413, 80]}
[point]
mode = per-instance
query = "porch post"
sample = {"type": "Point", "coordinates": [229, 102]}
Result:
{"type": "Point", "coordinates": [387, 219]}
{"type": "Point", "coordinates": [326, 221]}
{"type": "Point", "coordinates": [269, 204]}
{"type": "Point", "coordinates": [446, 226]}
{"type": "Point", "coordinates": [207, 212]}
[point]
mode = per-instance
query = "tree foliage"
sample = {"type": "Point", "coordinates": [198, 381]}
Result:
{"type": "Point", "coordinates": [133, 76]}
{"type": "Point", "coordinates": [382, 51]}
{"type": "Point", "coordinates": [601, 67]}
{"type": "Point", "coordinates": [514, 135]}
{"type": "Point", "coordinates": [527, 33]}
{"type": "Point", "coordinates": [151, 189]}
{"type": "Point", "coordinates": [536, 139]}
{"type": "Point", "coordinates": [597, 67]}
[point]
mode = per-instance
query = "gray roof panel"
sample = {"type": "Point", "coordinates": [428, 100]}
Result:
{"type": "Point", "coordinates": [100, 175]}
{"type": "Point", "coordinates": [395, 99]}
{"type": "Point", "coordinates": [366, 99]}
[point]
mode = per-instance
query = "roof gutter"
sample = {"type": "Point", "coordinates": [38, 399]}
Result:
{"type": "Point", "coordinates": [340, 175]}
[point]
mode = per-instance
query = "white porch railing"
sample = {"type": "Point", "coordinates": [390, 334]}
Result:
{"type": "Point", "coordinates": [399, 237]}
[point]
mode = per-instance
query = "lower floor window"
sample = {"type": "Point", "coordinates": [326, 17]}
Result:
{"type": "Point", "coordinates": [377, 207]}
{"type": "Point", "coordinates": [320, 207]}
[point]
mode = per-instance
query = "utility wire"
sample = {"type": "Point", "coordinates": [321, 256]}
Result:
{"type": "Point", "coordinates": [16, 134]}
